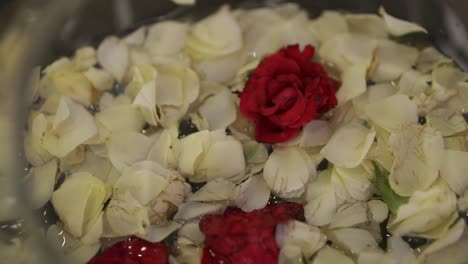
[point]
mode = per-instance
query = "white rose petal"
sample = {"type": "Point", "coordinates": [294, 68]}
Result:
{"type": "Point", "coordinates": [329, 24]}
{"type": "Point", "coordinates": [191, 210]}
{"type": "Point", "coordinates": [192, 148]}
{"type": "Point", "coordinates": [367, 24]}
{"type": "Point", "coordinates": [321, 199]}
{"type": "Point", "coordinates": [156, 234]}
{"type": "Point", "coordinates": [252, 194]}
{"type": "Point", "coordinates": [353, 83]}
{"type": "Point", "coordinates": [99, 166]}
{"type": "Point", "coordinates": [378, 210]}
{"type": "Point", "coordinates": [165, 149]}
{"type": "Point", "coordinates": [100, 79]}
{"type": "Point", "coordinates": [298, 240]}
{"type": "Point", "coordinates": [427, 214]}
{"type": "Point", "coordinates": [221, 69]}
{"type": "Point", "coordinates": [140, 75]}
{"type": "Point", "coordinates": [165, 38]}
{"type": "Point", "coordinates": [373, 256]}
{"type": "Point", "coordinates": [137, 37]}
{"type": "Point", "coordinates": [73, 125]}
{"type": "Point", "coordinates": [145, 100]}
{"type": "Point", "coordinates": [452, 236]}
{"type": "Point", "coordinates": [34, 149]}
{"type": "Point", "coordinates": [112, 54]}
{"type": "Point", "coordinates": [392, 112]}
{"type": "Point", "coordinates": [125, 216]}
{"type": "Point", "coordinates": [41, 183]}
{"type": "Point", "coordinates": [453, 170]}
{"type": "Point", "coordinates": [214, 191]}
{"type": "Point", "coordinates": [430, 58]}
{"type": "Point", "coordinates": [353, 239]}
{"type": "Point", "coordinates": [393, 59]}
{"type": "Point", "coordinates": [357, 181]}
{"type": "Point", "coordinates": [315, 133]}
{"type": "Point", "coordinates": [398, 27]}
{"type": "Point", "coordinates": [418, 154]}
{"type": "Point", "coordinates": [74, 85]}
{"type": "Point", "coordinates": [349, 215]}
{"type": "Point", "coordinates": [414, 83]}
{"type": "Point", "coordinates": [287, 171]}
{"type": "Point", "coordinates": [121, 118]}
{"type": "Point", "coordinates": [400, 250]}
{"type": "Point", "coordinates": [184, 2]}
{"type": "Point", "coordinates": [219, 110]}
{"type": "Point", "coordinates": [330, 255]}
{"type": "Point", "coordinates": [447, 122]}
{"type": "Point", "coordinates": [84, 58]}
{"type": "Point", "coordinates": [126, 148]}
{"type": "Point", "coordinates": [216, 35]}
{"type": "Point", "coordinates": [349, 145]}
{"type": "Point", "coordinates": [79, 201]}
{"type": "Point", "coordinates": [347, 49]}
{"type": "Point", "coordinates": [143, 183]}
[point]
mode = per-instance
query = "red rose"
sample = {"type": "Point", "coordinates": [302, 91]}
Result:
{"type": "Point", "coordinates": [134, 251]}
{"type": "Point", "coordinates": [286, 91]}
{"type": "Point", "coordinates": [248, 238]}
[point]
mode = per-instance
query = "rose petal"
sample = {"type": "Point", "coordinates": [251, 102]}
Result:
{"type": "Point", "coordinates": [353, 239]}
{"type": "Point", "coordinates": [392, 112]}
{"type": "Point", "coordinates": [156, 234]}
{"type": "Point", "coordinates": [329, 24]}
{"type": "Point", "coordinates": [219, 110]}
{"type": "Point", "coordinates": [398, 27]}
{"type": "Point", "coordinates": [367, 24]}
{"type": "Point", "coordinates": [330, 255]}
{"type": "Point", "coordinates": [253, 194]}
{"type": "Point", "coordinates": [349, 215]}
{"type": "Point", "coordinates": [378, 209]}
{"type": "Point", "coordinates": [214, 191]}
{"type": "Point", "coordinates": [126, 148]}
{"type": "Point", "coordinates": [430, 59]}
{"type": "Point", "coordinates": [41, 183]}
{"type": "Point", "coordinates": [453, 170]}
{"type": "Point", "coordinates": [191, 210]}
{"type": "Point", "coordinates": [112, 54]}
{"type": "Point", "coordinates": [320, 195]}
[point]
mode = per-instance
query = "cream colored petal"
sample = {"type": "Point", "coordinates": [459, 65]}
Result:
{"type": "Point", "coordinates": [353, 239]}
{"type": "Point", "coordinates": [74, 85]}
{"type": "Point", "coordinates": [156, 234]}
{"type": "Point", "coordinates": [192, 148]}
{"type": "Point", "coordinates": [447, 122]}
{"type": "Point", "coordinates": [138, 76]}
{"type": "Point", "coordinates": [367, 24]}
{"type": "Point", "coordinates": [184, 2]}
{"type": "Point", "coordinates": [398, 27]}
{"type": "Point", "coordinates": [392, 112]}
{"type": "Point", "coordinates": [253, 194]}
{"type": "Point", "coordinates": [169, 90]}
{"type": "Point", "coordinates": [347, 49]}
{"type": "Point", "coordinates": [255, 153]}
{"type": "Point", "coordinates": [400, 250]}
{"type": "Point", "coordinates": [96, 165]}
{"type": "Point", "coordinates": [349, 145]}
{"type": "Point", "coordinates": [453, 170]}
{"type": "Point", "coordinates": [413, 83]}
{"type": "Point", "coordinates": [298, 240]}
{"type": "Point", "coordinates": [113, 56]}
{"type": "Point", "coordinates": [191, 210]}
{"type": "Point", "coordinates": [213, 162]}
{"type": "Point", "coordinates": [143, 184]}
{"type": "Point", "coordinates": [166, 38]}
{"type": "Point", "coordinates": [216, 35]}
{"type": "Point", "coordinates": [125, 216]}
{"type": "Point", "coordinates": [426, 212]}
{"type": "Point", "coordinates": [349, 215]}
{"type": "Point", "coordinates": [219, 110]}
{"type": "Point", "coordinates": [68, 134]}
{"type": "Point", "coordinates": [321, 199]}
{"type": "Point", "coordinates": [454, 235]}
{"type": "Point", "coordinates": [330, 255]}
{"type": "Point", "coordinates": [221, 69]}
{"type": "Point", "coordinates": [329, 24]}
{"type": "Point", "coordinates": [137, 37]}
{"type": "Point", "coordinates": [378, 210]}
{"type": "Point", "coordinates": [287, 171]}
{"type": "Point", "coordinates": [79, 201]}
{"type": "Point", "coordinates": [353, 83]}
{"type": "Point", "coordinates": [145, 101]}
{"type": "Point", "coordinates": [165, 149]}
{"type": "Point", "coordinates": [216, 190]}
{"type": "Point", "coordinates": [418, 153]}
{"type": "Point", "coordinates": [430, 58]}
{"type": "Point", "coordinates": [126, 148]}
{"type": "Point", "coordinates": [40, 183]}
{"type": "Point", "coordinates": [122, 118]}
{"type": "Point", "coordinates": [34, 149]}
{"type": "Point", "coordinates": [84, 58]}
{"type": "Point", "coordinates": [393, 59]}
{"type": "Point", "coordinates": [315, 133]}
{"type": "Point", "coordinates": [357, 181]}
{"type": "Point", "coordinates": [100, 79]}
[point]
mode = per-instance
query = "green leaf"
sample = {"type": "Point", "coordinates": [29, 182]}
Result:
{"type": "Point", "coordinates": [392, 199]}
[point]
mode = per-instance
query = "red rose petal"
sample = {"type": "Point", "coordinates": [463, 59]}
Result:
{"type": "Point", "coordinates": [134, 251]}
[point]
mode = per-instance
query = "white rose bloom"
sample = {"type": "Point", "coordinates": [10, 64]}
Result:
{"type": "Point", "coordinates": [79, 202]}
{"type": "Point", "coordinates": [209, 155]}
{"type": "Point", "coordinates": [215, 36]}
{"type": "Point", "coordinates": [428, 213]}
{"type": "Point", "coordinates": [287, 171]}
